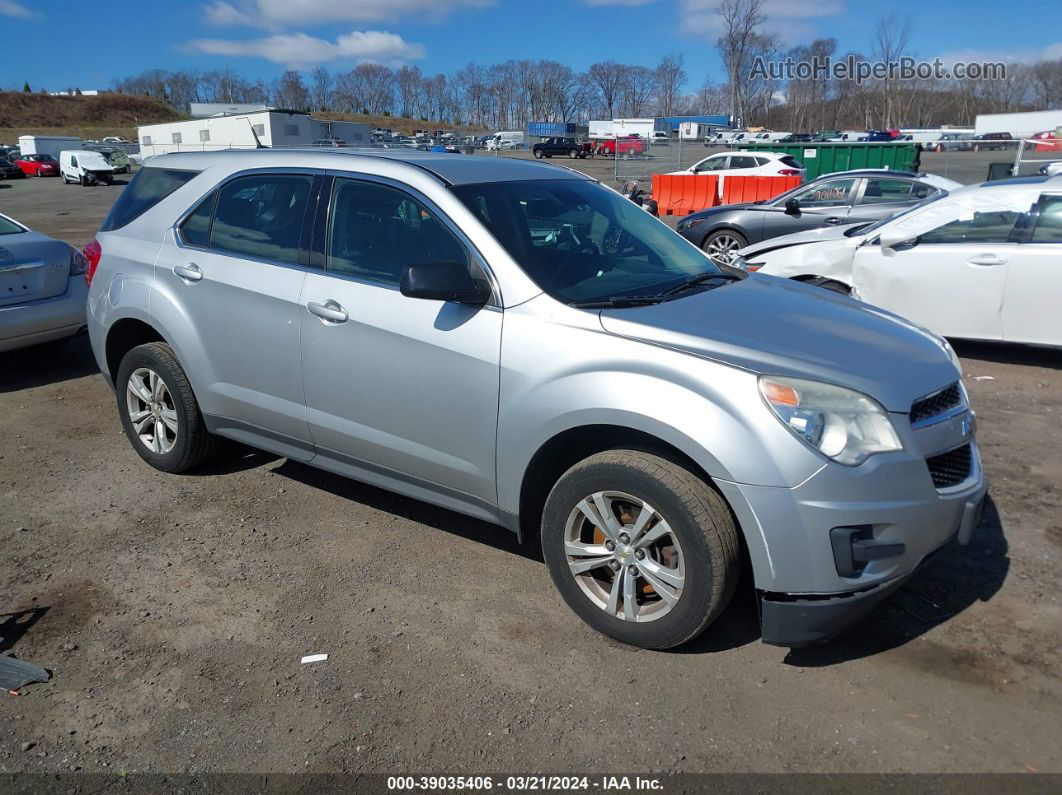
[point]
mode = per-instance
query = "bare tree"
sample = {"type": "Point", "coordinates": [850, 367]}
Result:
{"type": "Point", "coordinates": [670, 78]}
{"type": "Point", "coordinates": [741, 20]}
{"type": "Point", "coordinates": [290, 92]}
{"type": "Point", "coordinates": [322, 86]}
{"type": "Point", "coordinates": [891, 36]}
{"type": "Point", "coordinates": [608, 78]}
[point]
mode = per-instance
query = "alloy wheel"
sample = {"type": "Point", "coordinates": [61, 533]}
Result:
{"type": "Point", "coordinates": [624, 556]}
{"type": "Point", "coordinates": [723, 249]}
{"type": "Point", "coordinates": [151, 410]}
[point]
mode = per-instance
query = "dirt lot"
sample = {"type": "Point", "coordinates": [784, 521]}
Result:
{"type": "Point", "coordinates": [173, 611]}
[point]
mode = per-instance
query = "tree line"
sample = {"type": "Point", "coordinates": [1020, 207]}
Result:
{"type": "Point", "coordinates": [508, 95]}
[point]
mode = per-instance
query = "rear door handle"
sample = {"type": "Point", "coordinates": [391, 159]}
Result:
{"type": "Point", "coordinates": [329, 310]}
{"type": "Point", "coordinates": [987, 260]}
{"type": "Point", "coordinates": [190, 272]}
{"type": "Point", "coordinates": [833, 220]}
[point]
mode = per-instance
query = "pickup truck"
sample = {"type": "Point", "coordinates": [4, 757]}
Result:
{"type": "Point", "coordinates": [560, 147]}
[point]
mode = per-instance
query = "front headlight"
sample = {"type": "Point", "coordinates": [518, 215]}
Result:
{"type": "Point", "coordinates": [842, 424]}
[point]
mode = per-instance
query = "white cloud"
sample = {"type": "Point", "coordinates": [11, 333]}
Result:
{"type": "Point", "coordinates": [279, 13]}
{"type": "Point", "coordinates": [1026, 55]}
{"type": "Point", "coordinates": [299, 49]}
{"type": "Point", "coordinates": [9, 8]}
{"type": "Point", "coordinates": [787, 19]}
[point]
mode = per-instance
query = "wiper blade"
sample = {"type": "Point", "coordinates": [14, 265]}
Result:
{"type": "Point", "coordinates": [619, 301]}
{"type": "Point", "coordinates": [704, 278]}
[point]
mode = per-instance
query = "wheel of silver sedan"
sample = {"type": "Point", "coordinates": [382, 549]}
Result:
{"type": "Point", "coordinates": [151, 410]}
{"type": "Point", "coordinates": [722, 248]}
{"type": "Point", "coordinates": [624, 556]}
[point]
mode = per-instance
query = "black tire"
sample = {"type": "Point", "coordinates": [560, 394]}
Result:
{"type": "Point", "coordinates": [194, 444]}
{"type": "Point", "coordinates": [699, 518]}
{"type": "Point", "coordinates": [539, 154]}
{"type": "Point", "coordinates": [573, 153]}
{"type": "Point", "coordinates": [831, 285]}
{"type": "Point", "coordinates": [83, 180]}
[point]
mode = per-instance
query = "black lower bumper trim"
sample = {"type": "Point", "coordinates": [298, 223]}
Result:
{"type": "Point", "coordinates": [796, 621]}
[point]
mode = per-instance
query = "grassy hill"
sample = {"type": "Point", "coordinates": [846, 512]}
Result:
{"type": "Point", "coordinates": [86, 117]}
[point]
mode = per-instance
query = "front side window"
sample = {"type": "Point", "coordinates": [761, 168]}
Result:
{"type": "Point", "coordinates": [9, 227]}
{"type": "Point", "coordinates": [376, 232]}
{"type": "Point", "coordinates": [73, 162]}
{"type": "Point", "coordinates": [582, 242]}
{"type": "Point", "coordinates": [1049, 224]}
{"type": "Point", "coordinates": [261, 216]}
{"type": "Point", "coordinates": [982, 227]}
{"type": "Point", "coordinates": [825, 194]}
{"type": "Point", "coordinates": [711, 164]}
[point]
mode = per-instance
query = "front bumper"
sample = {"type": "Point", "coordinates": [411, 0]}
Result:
{"type": "Point", "coordinates": [795, 621]}
{"type": "Point", "coordinates": [34, 322]}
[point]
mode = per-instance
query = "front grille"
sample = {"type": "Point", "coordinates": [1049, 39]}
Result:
{"type": "Point", "coordinates": [939, 402]}
{"type": "Point", "coordinates": [951, 468]}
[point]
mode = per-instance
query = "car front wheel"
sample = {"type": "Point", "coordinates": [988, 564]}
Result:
{"type": "Point", "coordinates": [159, 411]}
{"type": "Point", "coordinates": [539, 154]}
{"type": "Point", "coordinates": [722, 246]}
{"type": "Point", "coordinates": [642, 549]}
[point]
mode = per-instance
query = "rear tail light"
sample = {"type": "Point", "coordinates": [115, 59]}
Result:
{"type": "Point", "coordinates": [92, 253]}
{"type": "Point", "coordinates": [790, 172]}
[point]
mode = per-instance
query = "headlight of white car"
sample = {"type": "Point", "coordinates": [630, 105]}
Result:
{"type": "Point", "coordinates": [842, 424]}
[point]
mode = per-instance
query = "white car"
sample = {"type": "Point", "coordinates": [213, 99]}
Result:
{"type": "Point", "coordinates": [978, 263]}
{"type": "Point", "coordinates": [1052, 169]}
{"type": "Point", "coordinates": [747, 164]}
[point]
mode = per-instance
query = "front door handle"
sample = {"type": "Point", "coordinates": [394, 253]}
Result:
{"type": "Point", "coordinates": [190, 272]}
{"type": "Point", "coordinates": [833, 220]}
{"type": "Point", "coordinates": [329, 310]}
{"type": "Point", "coordinates": [987, 260]}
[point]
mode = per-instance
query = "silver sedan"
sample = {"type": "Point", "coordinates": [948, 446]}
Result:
{"type": "Point", "coordinates": [42, 287]}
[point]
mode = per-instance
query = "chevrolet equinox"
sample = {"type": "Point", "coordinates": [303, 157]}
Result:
{"type": "Point", "coordinates": [517, 342]}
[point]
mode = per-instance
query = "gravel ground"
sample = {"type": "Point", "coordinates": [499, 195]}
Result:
{"type": "Point", "coordinates": [173, 611]}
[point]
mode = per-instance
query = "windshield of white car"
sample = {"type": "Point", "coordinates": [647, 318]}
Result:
{"type": "Point", "coordinates": [914, 207]}
{"type": "Point", "coordinates": [585, 244]}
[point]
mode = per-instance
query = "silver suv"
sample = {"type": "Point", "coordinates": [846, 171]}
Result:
{"type": "Point", "coordinates": [517, 342]}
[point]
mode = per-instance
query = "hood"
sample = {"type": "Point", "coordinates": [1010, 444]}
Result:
{"type": "Point", "coordinates": [94, 161]}
{"type": "Point", "coordinates": [775, 326]}
{"type": "Point", "coordinates": [800, 238]}
{"type": "Point", "coordinates": [712, 212]}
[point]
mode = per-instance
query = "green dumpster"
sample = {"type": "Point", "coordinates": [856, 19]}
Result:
{"type": "Point", "coordinates": [824, 158]}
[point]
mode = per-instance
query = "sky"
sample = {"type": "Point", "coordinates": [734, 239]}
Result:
{"type": "Point", "coordinates": [90, 44]}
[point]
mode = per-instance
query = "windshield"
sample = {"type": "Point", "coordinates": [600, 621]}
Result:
{"type": "Point", "coordinates": [43, 158]}
{"type": "Point", "coordinates": [913, 208]}
{"type": "Point", "coordinates": [8, 227]}
{"type": "Point", "coordinates": [582, 242]}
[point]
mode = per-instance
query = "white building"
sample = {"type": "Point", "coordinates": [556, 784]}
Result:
{"type": "Point", "coordinates": [1019, 125]}
{"type": "Point", "coordinates": [275, 128]}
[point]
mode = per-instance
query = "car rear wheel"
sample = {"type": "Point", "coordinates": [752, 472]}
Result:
{"type": "Point", "coordinates": [642, 549]}
{"type": "Point", "coordinates": [159, 411]}
{"type": "Point", "coordinates": [722, 246]}
{"type": "Point", "coordinates": [539, 154]}
{"type": "Point", "coordinates": [573, 153]}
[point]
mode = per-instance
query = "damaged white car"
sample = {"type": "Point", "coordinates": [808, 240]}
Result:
{"type": "Point", "coordinates": [979, 263]}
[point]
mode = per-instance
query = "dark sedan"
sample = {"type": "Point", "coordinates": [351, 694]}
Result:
{"type": "Point", "coordinates": [9, 170]}
{"type": "Point", "coordinates": [845, 197]}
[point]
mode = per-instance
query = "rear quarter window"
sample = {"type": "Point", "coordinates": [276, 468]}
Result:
{"type": "Point", "coordinates": [146, 189]}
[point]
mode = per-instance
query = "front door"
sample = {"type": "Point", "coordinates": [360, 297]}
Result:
{"type": "Point", "coordinates": [950, 279]}
{"type": "Point", "coordinates": [404, 387]}
{"type": "Point", "coordinates": [1035, 282]}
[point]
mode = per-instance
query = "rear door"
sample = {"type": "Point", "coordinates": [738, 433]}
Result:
{"type": "Point", "coordinates": [952, 279]}
{"type": "Point", "coordinates": [398, 387]}
{"type": "Point", "coordinates": [1034, 287]}
{"type": "Point", "coordinates": [883, 197]}
{"type": "Point", "coordinates": [232, 276]}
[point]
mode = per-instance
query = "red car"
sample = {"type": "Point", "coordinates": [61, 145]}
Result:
{"type": "Point", "coordinates": [623, 147]}
{"type": "Point", "coordinates": [38, 165]}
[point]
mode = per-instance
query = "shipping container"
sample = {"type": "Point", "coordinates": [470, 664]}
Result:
{"type": "Point", "coordinates": [826, 158]}
{"type": "Point", "coordinates": [552, 129]}
{"type": "Point", "coordinates": [47, 144]}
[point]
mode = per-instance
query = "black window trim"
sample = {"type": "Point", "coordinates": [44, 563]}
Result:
{"type": "Point", "coordinates": [324, 213]}
{"type": "Point", "coordinates": [311, 204]}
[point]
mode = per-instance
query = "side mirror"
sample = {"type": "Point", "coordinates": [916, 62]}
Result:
{"type": "Point", "coordinates": [792, 207]}
{"type": "Point", "coordinates": [891, 242]}
{"type": "Point", "coordinates": [443, 281]}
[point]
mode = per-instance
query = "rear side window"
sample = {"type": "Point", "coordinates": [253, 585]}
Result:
{"type": "Point", "coordinates": [195, 231]}
{"type": "Point", "coordinates": [261, 216]}
{"type": "Point", "coordinates": [147, 188]}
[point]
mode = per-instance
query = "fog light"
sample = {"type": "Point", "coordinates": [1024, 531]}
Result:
{"type": "Point", "coordinates": [855, 547]}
